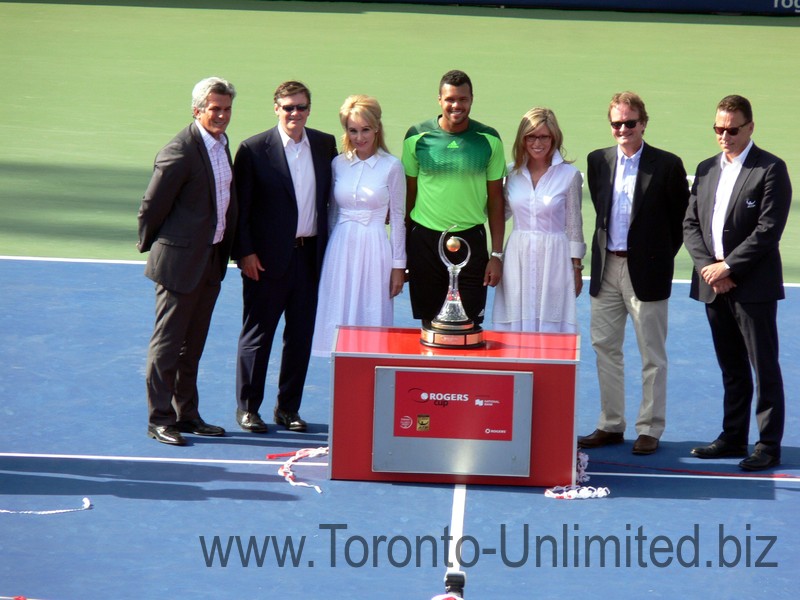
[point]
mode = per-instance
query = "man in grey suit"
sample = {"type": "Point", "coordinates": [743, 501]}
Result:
{"type": "Point", "coordinates": [640, 195]}
{"type": "Point", "coordinates": [283, 177]}
{"type": "Point", "coordinates": [187, 221]}
{"type": "Point", "coordinates": [737, 213]}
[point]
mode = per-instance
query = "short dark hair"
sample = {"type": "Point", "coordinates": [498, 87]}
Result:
{"type": "Point", "coordinates": [290, 88]}
{"type": "Point", "coordinates": [733, 103]}
{"type": "Point", "coordinates": [455, 78]}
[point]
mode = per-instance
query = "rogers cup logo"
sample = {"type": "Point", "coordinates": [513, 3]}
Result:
{"type": "Point", "coordinates": [438, 398]}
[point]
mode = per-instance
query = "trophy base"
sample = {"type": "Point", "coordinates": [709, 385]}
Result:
{"type": "Point", "coordinates": [451, 335]}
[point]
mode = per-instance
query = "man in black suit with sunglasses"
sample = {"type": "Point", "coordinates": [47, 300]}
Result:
{"type": "Point", "coordinates": [283, 177]}
{"type": "Point", "coordinates": [640, 195]}
{"type": "Point", "coordinates": [737, 213]}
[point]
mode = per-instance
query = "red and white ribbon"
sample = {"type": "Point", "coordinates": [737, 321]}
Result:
{"type": "Point", "coordinates": [285, 469]}
{"type": "Point", "coordinates": [578, 492]}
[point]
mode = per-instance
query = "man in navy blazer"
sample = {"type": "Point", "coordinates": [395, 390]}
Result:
{"type": "Point", "coordinates": [737, 213]}
{"type": "Point", "coordinates": [283, 179]}
{"type": "Point", "coordinates": [640, 195]}
{"type": "Point", "coordinates": [187, 221]}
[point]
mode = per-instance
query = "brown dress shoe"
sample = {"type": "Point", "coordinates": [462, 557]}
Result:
{"type": "Point", "coordinates": [599, 438]}
{"type": "Point", "coordinates": [645, 444]}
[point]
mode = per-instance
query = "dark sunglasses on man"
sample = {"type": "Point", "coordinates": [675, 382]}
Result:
{"type": "Point", "coordinates": [630, 124]}
{"type": "Point", "coordinates": [730, 130]}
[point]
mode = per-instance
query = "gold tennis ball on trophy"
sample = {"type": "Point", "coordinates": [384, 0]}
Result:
{"type": "Point", "coordinates": [453, 244]}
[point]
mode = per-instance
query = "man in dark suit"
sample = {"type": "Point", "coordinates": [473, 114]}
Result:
{"type": "Point", "coordinates": [640, 195]}
{"type": "Point", "coordinates": [737, 212]}
{"type": "Point", "coordinates": [283, 178]}
{"type": "Point", "coordinates": [187, 221]}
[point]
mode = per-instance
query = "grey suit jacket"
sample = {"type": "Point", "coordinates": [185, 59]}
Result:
{"type": "Point", "coordinates": [178, 214]}
{"type": "Point", "coordinates": [754, 223]}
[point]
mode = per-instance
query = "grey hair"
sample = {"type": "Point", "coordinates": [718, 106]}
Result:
{"type": "Point", "coordinates": [210, 85]}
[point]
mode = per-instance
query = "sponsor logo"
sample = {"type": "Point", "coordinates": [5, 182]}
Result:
{"type": "Point", "coordinates": [486, 402]}
{"type": "Point", "coordinates": [437, 398]}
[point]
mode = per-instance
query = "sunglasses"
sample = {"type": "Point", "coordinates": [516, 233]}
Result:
{"type": "Point", "coordinates": [630, 124]}
{"type": "Point", "coordinates": [730, 130]}
{"type": "Point", "coordinates": [290, 108]}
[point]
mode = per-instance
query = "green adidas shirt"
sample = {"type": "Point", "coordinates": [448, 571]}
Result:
{"type": "Point", "coordinates": [452, 170]}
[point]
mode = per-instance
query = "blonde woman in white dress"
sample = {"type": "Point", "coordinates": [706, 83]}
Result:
{"type": "Point", "coordinates": [542, 264]}
{"type": "Point", "coordinates": [364, 267]}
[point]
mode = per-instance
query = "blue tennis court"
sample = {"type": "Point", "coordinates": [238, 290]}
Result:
{"type": "Point", "coordinates": [214, 519]}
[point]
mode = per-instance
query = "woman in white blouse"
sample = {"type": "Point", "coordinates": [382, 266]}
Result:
{"type": "Point", "coordinates": [542, 261]}
{"type": "Point", "coordinates": [364, 268]}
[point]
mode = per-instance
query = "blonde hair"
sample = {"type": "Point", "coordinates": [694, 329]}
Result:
{"type": "Point", "coordinates": [366, 108]}
{"type": "Point", "coordinates": [532, 120]}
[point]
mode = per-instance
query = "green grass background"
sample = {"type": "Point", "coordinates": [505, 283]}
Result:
{"type": "Point", "coordinates": [92, 90]}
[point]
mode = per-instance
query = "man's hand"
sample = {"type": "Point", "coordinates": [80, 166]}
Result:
{"type": "Point", "coordinates": [723, 286]}
{"type": "Point", "coordinates": [251, 266]}
{"type": "Point", "coordinates": [715, 272]}
{"type": "Point", "coordinates": [494, 272]}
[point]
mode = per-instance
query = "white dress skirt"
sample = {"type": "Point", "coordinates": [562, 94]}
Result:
{"type": "Point", "coordinates": [354, 285]}
{"type": "Point", "coordinates": [537, 292]}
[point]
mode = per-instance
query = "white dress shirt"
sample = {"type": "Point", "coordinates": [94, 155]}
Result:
{"type": "Point", "coordinates": [622, 199]}
{"type": "Point", "coordinates": [729, 172]}
{"type": "Point", "coordinates": [304, 180]}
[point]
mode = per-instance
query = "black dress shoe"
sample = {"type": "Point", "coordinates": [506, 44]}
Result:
{"type": "Point", "coordinates": [290, 420]}
{"type": "Point", "coordinates": [250, 421]}
{"type": "Point", "coordinates": [199, 427]}
{"type": "Point", "coordinates": [645, 444]}
{"type": "Point", "coordinates": [720, 449]}
{"type": "Point", "coordinates": [759, 460]}
{"type": "Point", "coordinates": [599, 438]}
{"type": "Point", "coordinates": [166, 434]}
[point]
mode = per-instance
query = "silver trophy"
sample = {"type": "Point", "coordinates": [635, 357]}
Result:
{"type": "Point", "coordinates": [452, 328]}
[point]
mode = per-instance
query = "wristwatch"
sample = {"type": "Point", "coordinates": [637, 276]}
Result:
{"type": "Point", "coordinates": [498, 255]}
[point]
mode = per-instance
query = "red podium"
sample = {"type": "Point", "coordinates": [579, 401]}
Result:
{"type": "Point", "coordinates": [503, 414]}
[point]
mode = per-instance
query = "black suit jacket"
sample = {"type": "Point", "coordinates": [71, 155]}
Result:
{"type": "Point", "coordinates": [654, 236]}
{"type": "Point", "coordinates": [267, 203]}
{"type": "Point", "coordinates": [178, 214]}
{"type": "Point", "coordinates": [754, 223]}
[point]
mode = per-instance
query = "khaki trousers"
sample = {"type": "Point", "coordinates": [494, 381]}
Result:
{"type": "Point", "coordinates": [610, 310]}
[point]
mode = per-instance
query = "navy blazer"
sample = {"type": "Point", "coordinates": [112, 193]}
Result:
{"type": "Point", "coordinates": [178, 214]}
{"type": "Point", "coordinates": [754, 222]}
{"type": "Point", "coordinates": [654, 236]}
{"type": "Point", "coordinates": [267, 203]}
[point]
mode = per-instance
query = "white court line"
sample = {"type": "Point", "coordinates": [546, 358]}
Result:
{"type": "Point", "coordinates": [74, 260]}
{"type": "Point", "coordinates": [457, 523]}
{"type": "Point", "coordinates": [230, 265]}
{"type": "Point", "coordinates": [459, 493]}
{"type": "Point", "coordinates": [742, 477]}
{"type": "Point", "coordinates": [202, 461]}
